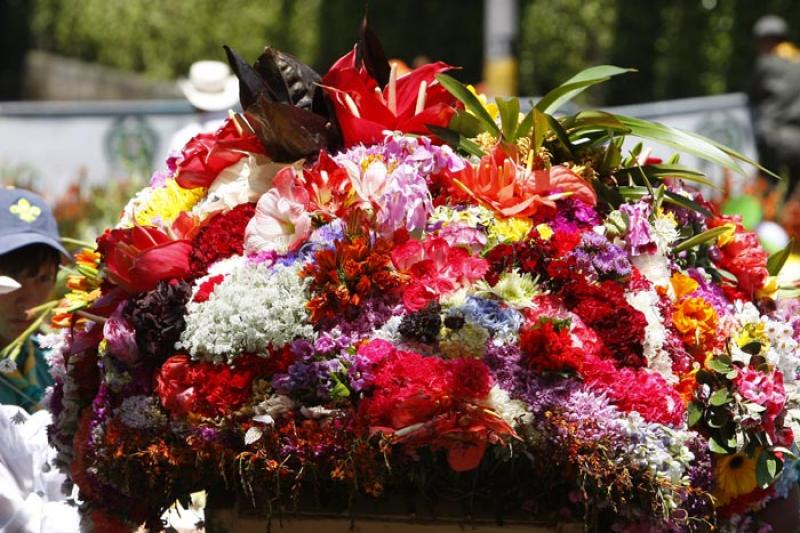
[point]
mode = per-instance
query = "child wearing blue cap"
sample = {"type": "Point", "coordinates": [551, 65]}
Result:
{"type": "Point", "coordinates": [30, 252]}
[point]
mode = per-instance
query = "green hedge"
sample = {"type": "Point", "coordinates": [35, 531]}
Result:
{"type": "Point", "coordinates": [681, 47]}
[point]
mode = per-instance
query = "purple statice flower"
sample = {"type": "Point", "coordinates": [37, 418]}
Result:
{"type": "Point", "coordinates": [598, 258]}
{"type": "Point", "coordinates": [318, 371]}
{"type": "Point", "coordinates": [639, 239]}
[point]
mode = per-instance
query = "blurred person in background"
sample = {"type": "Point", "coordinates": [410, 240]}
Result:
{"type": "Point", "coordinates": [30, 253]}
{"type": "Point", "coordinates": [212, 90]}
{"type": "Point", "coordinates": [775, 98]}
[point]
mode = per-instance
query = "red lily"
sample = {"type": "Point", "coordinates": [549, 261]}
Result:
{"type": "Point", "coordinates": [139, 257]}
{"type": "Point", "coordinates": [406, 104]}
{"type": "Point", "coordinates": [208, 154]}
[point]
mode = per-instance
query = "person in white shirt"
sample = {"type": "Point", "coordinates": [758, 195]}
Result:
{"type": "Point", "coordinates": [212, 90]}
{"type": "Point", "coordinates": [31, 500]}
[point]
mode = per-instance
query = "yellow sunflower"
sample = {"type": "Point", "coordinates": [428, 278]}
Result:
{"type": "Point", "coordinates": [735, 475]}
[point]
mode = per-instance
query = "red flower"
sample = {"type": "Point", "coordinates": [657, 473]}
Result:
{"type": "Point", "coordinates": [205, 290]}
{"type": "Point", "coordinates": [550, 349]}
{"type": "Point", "coordinates": [139, 257]}
{"type": "Point", "coordinates": [428, 401]}
{"type": "Point", "coordinates": [205, 388]}
{"type": "Point", "coordinates": [744, 258]}
{"type": "Point", "coordinates": [208, 154]}
{"type": "Point", "coordinates": [499, 183]}
{"type": "Point", "coordinates": [364, 111]}
{"type": "Point", "coordinates": [435, 268]}
{"type": "Point", "coordinates": [221, 237]}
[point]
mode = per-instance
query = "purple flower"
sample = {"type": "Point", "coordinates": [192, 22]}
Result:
{"type": "Point", "coordinates": [120, 335]}
{"type": "Point", "coordinates": [597, 258]}
{"type": "Point", "coordinates": [639, 239]}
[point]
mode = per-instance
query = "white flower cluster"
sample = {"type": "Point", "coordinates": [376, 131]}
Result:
{"type": "Point", "coordinates": [514, 412]}
{"type": "Point", "coordinates": [254, 307]}
{"type": "Point", "coordinates": [661, 449]}
{"type": "Point", "coordinates": [141, 412]}
{"type": "Point", "coordinates": [655, 334]}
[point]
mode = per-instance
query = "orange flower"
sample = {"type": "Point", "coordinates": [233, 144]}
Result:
{"type": "Point", "coordinates": [696, 321]}
{"type": "Point", "coordinates": [683, 285]}
{"type": "Point", "coordinates": [513, 191]}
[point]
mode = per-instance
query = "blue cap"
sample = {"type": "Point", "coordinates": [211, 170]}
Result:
{"type": "Point", "coordinates": [26, 219]}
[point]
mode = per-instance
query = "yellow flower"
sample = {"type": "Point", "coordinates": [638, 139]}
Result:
{"type": "Point", "coordinates": [490, 108]}
{"type": "Point", "coordinates": [166, 203]}
{"type": "Point", "coordinates": [769, 289]}
{"type": "Point", "coordinates": [727, 236]}
{"type": "Point", "coordinates": [510, 229]}
{"type": "Point", "coordinates": [753, 332]}
{"type": "Point", "coordinates": [683, 285]}
{"type": "Point", "coordinates": [544, 231]}
{"type": "Point", "coordinates": [735, 475]}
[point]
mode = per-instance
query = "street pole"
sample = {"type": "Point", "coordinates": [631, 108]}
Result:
{"type": "Point", "coordinates": [500, 46]}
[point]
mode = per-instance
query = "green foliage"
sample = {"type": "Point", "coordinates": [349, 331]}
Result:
{"type": "Point", "coordinates": [163, 38]}
{"type": "Point", "coordinates": [680, 48]}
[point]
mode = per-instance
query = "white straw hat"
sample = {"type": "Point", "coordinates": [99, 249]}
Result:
{"type": "Point", "coordinates": [211, 86]}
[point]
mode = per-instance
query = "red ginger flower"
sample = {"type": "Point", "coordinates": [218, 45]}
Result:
{"type": "Point", "coordinates": [208, 154]}
{"type": "Point", "coordinates": [139, 257]}
{"type": "Point", "coordinates": [407, 104]}
{"type": "Point", "coordinates": [499, 183]}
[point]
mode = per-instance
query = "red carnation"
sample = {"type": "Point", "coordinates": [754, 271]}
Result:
{"type": "Point", "coordinates": [221, 237]}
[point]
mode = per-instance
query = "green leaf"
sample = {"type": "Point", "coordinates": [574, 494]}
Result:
{"type": "Point", "coordinates": [470, 101]}
{"type": "Point", "coordinates": [509, 116]}
{"type": "Point", "coordinates": [718, 366]}
{"type": "Point", "coordinates": [589, 121]}
{"type": "Point", "coordinates": [467, 124]}
{"type": "Point", "coordinates": [681, 140]}
{"type": "Point", "coordinates": [716, 447]}
{"type": "Point", "coordinates": [656, 172]}
{"type": "Point", "coordinates": [767, 468]}
{"type": "Point", "coordinates": [700, 238]}
{"type": "Point", "coordinates": [561, 135]}
{"type": "Point", "coordinates": [578, 83]}
{"type": "Point", "coordinates": [541, 126]}
{"type": "Point", "coordinates": [695, 413]}
{"type": "Point", "coordinates": [687, 203]}
{"type": "Point", "coordinates": [456, 140]}
{"type": "Point", "coordinates": [738, 155]}
{"type": "Point", "coordinates": [778, 259]}
{"type": "Point", "coordinates": [720, 397]}
{"type": "Point", "coordinates": [525, 125]}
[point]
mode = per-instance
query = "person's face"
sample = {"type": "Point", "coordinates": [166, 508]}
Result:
{"type": "Point", "coordinates": [36, 288]}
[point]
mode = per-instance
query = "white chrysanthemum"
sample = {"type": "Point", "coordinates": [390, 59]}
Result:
{"type": "Point", "coordinates": [254, 307]}
{"type": "Point", "coordinates": [514, 412]}
{"type": "Point", "coordinates": [654, 267]}
{"type": "Point", "coordinates": [654, 334]}
{"type": "Point", "coordinates": [664, 230]}
{"type": "Point", "coordinates": [783, 351]}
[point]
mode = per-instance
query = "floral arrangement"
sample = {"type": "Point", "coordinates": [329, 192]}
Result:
{"type": "Point", "coordinates": [366, 285]}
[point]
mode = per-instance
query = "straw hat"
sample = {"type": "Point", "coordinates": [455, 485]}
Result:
{"type": "Point", "coordinates": [211, 86]}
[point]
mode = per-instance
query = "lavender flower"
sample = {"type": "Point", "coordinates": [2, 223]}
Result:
{"type": "Point", "coordinates": [597, 258]}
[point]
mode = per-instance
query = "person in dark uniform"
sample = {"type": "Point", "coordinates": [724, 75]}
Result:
{"type": "Point", "coordinates": [775, 98]}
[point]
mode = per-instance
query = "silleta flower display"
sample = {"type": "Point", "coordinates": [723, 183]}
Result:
{"type": "Point", "coordinates": [366, 285]}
